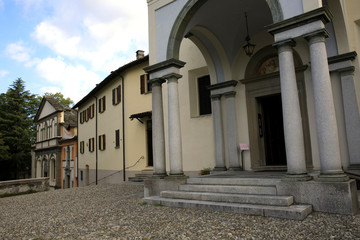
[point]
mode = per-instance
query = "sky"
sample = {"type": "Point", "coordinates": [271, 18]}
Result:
{"type": "Point", "coordinates": [68, 46]}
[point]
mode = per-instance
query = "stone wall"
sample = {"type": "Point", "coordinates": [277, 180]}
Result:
{"type": "Point", "coordinates": [24, 185]}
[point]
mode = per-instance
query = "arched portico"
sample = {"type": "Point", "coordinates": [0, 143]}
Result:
{"type": "Point", "coordinates": [203, 22]}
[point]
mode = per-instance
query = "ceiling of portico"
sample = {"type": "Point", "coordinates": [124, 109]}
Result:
{"type": "Point", "coordinates": [226, 21]}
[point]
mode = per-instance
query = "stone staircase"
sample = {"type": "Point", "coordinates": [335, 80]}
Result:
{"type": "Point", "coordinates": [255, 196]}
{"type": "Point", "coordinates": [141, 176]}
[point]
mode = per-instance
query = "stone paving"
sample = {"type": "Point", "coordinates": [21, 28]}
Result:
{"type": "Point", "coordinates": [117, 212]}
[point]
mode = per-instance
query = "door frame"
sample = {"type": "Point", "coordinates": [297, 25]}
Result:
{"type": "Point", "coordinates": [265, 85]}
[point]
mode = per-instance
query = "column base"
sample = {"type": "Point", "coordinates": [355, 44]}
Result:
{"type": "Point", "coordinates": [333, 177]}
{"type": "Point", "coordinates": [297, 177]}
{"type": "Point", "coordinates": [219, 169]}
{"type": "Point", "coordinates": [175, 175]}
{"type": "Point", "coordinates": [159, 175]}
{"type": "Point", "coordinates": [235, 169]}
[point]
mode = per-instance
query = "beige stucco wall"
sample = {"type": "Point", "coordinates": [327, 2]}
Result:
{"type": "Point", "coordinates": [110, 160]}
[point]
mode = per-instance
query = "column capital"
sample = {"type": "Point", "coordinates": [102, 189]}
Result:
{"type": "Point", "coordinates": [230, 94]}
{"type": "Point", "coordinates": [215, 97]}
{"type": "Point", "coordinates": [164, 65]}
{"type": "Point", "coordinates": [317, 36]}
{"type": "Point", "coordinates": [172, 75]}
{"type": "Point", "coordinates": [285, 43]}
{"type": "Point", "coordinates": [156, 81]}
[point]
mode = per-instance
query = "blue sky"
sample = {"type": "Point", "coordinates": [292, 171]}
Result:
{"type": "Point", "coordinates": [68, 45]}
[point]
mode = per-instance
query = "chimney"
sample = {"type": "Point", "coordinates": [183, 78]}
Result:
{"type": "Point", "coordinates": [140, 54]}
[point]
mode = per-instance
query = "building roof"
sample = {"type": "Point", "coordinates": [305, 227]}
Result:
{"type": "Point", "coordinates": [50, 99]}
{"type": "Point", "coordinates": [70, 118]}
{"type": "Point", "coordinates": [112, 75]}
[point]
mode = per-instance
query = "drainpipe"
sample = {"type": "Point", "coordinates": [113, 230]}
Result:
{"type": "Point", "coordinates": [123, 126]}
{"type": "Point", "coordinates": [96, 138]}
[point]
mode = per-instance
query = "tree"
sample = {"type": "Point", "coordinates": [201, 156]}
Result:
{"type": "Point", "coordinates": [17, 110]}
{"type": "Point", "coordinates": [66, 102]}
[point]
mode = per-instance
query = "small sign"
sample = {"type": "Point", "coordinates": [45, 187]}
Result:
{"type": "Point", "coordinates": [244, 146]}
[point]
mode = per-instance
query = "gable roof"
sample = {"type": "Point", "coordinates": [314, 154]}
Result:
{"type": "Point", "coordinates": [53, 102]}
{"type": "Point", "coordinates": [112, 75]}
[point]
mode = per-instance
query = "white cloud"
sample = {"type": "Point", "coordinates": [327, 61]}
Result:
{"type": "Point", "coordinates": [18, 51]}
{"type": "Point", "coordinates": [3, 73]}
{"type": "Point", "coordinates": [74, 81]}
{"type": "Point", "coordinates": [99, 32]}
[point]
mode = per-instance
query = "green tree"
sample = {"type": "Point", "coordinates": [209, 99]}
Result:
{"type": "Point", "coordinates": [66, 102]}
{"type": "Point", "coordinates": [17, 110]}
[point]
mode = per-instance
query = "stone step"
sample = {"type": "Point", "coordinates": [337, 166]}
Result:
{"type": "Point", "coordinates": [234, 181]}
{"type": "Point", "coordinates": [296, 212]}
{"type": "Point", "coordinates": [267, 190]}
{"type": "Point", "coordinates": [231, 198]}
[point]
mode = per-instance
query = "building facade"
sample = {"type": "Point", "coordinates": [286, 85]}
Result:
{"type": "Point", "coordinates": [292, 104]}
{"type": "Point", "coordinates": [115, 125]}
{"type": "Point", "coordinates": [56, 130]}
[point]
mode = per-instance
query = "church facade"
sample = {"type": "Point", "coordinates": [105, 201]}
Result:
{"type": "Point", "coordinates": [256, 85]}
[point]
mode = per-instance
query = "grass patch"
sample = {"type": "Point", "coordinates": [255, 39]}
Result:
{"type": "Point", "coordinates": [142, 203]}
{"type": "Point", "coordinates": [17, 194]}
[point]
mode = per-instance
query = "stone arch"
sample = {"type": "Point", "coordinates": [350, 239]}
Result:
{"type": "Point", "coordinates": [185, 15]}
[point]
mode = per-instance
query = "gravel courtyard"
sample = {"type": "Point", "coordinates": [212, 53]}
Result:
{"type": "Point", "coordinates": [116, 212]}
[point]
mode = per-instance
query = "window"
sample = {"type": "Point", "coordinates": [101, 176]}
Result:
{"type": "Point", "coordinates": [91, 144]}
{"type": "Point", "coordinates": [145, 86]}
{"type": "Point", "coordinates": [102, 143]}
{"type": "Point", "coordinates": [82, 147]}
{"type": "Point", "coordinates": [81, 117]}
{"type": "Point", "coordinates": [116, 95]}
{"type": "Point", "coordinates": [91, 110]}
{"type": "Point", "coordinates": [117, 138]}
{"type": "Point", "coordinates": [102, 105]}
{"type": "Point", "coordinates": [204, 95]}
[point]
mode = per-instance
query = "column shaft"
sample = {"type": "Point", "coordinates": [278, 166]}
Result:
{"type": "Point", "coordinates": [175, 147]}
{"type": "Point", "coordinates": [218, 134]}
{"type": "Point", "coordinates": [158, 136]}
{"type": "Point", "coordinates": [327, 131]}
{"type": "Point", "coordinates": [234, 163]}
{"type": "Point", "coordinates": [293, 130]}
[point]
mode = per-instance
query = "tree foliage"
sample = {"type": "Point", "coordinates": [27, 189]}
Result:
{"type": "Point", "coordinates": [66, 102]}
{"type": "Point", "coordinates": [17, 131]}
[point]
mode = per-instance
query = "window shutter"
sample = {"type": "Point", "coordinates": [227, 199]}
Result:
{"type": "Point", "coordinates": [100, 142]}
{"type": "Point", "coordinates": [149, 86]}
{"type": "Point", "coordinates": [142, 84]}
{"type": "Point", "coordinates": [81, 117]}
{"type": "Point", "coordinates": [100, 106]}
{"type": "Point", "coordinates": [104, 105]}
{"type": "Point", "coordinates": [113, 97]}
{"type": "Point", "coordinates": [117, 138]}
{"type": "Point", "coordinates": [118, 94]}
{"type": "Point", "coordinates": [104, 142]}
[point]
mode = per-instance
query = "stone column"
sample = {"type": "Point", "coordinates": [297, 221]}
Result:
{"type": "Point", "coordinates": [174, 131]}
{"type": "Point", "coordinates": [293, 130]}
{"type": "Point", "coordinates": [234, 163]}
{"type": "Point", "coordinates": [158, 136]}
{"type": "Point", "coordinates": [218, 133]}
{"type": "Point", "coordinates": [327, 132]}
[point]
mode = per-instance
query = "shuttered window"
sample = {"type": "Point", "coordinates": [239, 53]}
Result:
{"type": "Point", "coordinates": [116, 95]}
{"type": "Point", "coordinates": [91, 144]}
{"type": "Point", "coordinates": [102, 142]}
{"type": "Point", "coordinates": [102, 105]}
{"type": "Point", "coordinates": [117, 138]}
{"type": "Point", "coordinates": [82, 147]}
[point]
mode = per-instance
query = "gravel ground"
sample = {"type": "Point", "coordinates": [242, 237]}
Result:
{"type": "Point", "coordinates": [116, 212]}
